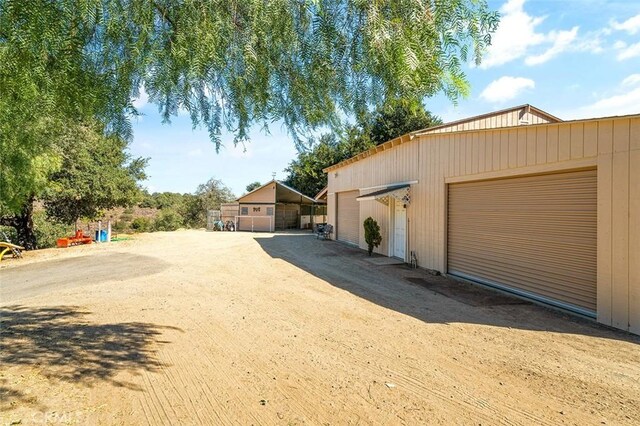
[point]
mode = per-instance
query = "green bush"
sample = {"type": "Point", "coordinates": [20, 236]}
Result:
{"type": "Point", "coordinates": [128, 211]}
{"type": "Point", "coordinates": [126, 217]}
{"type": "Point", "coordinates": [48, 231]}
{"type": "Point", "coordinates": [168, 220]}
{"type": "Point", "coordinates": [372, 234]}
{"type": "Point", "coordinates": [10, 232]}
{"type": "Point", "coordinates": [141, 224]}
{"type": "Point", "coordinates": [120, 226]}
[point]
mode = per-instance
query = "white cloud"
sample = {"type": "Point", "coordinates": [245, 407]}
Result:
{"type": "Point", "coordinates": [619, 44]}
{"type": "Point", "coordinates": [632, 80]}
{"type": "Point", "coordinates": [561, 42]}
{"type": "Point", "coordinates": [631, 25]}
{"type": "Point", "coordinates": [142, 100]}
{"type": "Point", "coordinates": [621, 102]}
{"type": "Point", "coordinates": [195, 153]}
{"type": "Point", "coordinates": [506, 88]}
{"type": "Point", "coordinates": [518, 36]}
{"type": "Point", "coordinates": [627, 103]}
{"type": "Point", "coordinates": [627, 52]}
{"type": "Point", "coordinates": [515, 35]}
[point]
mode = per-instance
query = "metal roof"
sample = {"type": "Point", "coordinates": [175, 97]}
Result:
{"type": "Point", "coordinates": [410, 136]}
{"type": "Point", "coordinates": [388, 189]}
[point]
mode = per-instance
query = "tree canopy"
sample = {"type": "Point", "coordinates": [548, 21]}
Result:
{"type": "Point", "coordinates": [253, 185]}
{"type": "Point", "coordinates": [208, 196]}
{"type": "Point", "coordinates": [229, 65]}
{"type": "Point", "coordinates": [96, 173]}
{"type": "Point", "coordinates": [395, 119]}
{"type": "Point", "coordinates": [398, 118]}
{"type": "Point", "coordinates": [239, 62]}
{"type": "Point", "coordinates": [189, 210]}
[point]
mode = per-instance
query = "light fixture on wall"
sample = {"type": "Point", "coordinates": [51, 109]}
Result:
{"type": "Point", "coordinates": [335, 174]}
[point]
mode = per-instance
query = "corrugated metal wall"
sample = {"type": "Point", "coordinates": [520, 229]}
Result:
{"type": "Point", "coordinates": [438, 159]}
{"type": "Point", "coordinates": [506, 119]}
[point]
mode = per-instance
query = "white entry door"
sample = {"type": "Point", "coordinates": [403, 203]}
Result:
{"type": "Point", "coordinates": [399, 230]}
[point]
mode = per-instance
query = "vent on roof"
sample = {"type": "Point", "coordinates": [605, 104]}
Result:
{"type": "Point", "coordinates": [524, 122]}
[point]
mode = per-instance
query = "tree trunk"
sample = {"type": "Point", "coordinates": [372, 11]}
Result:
{"type": "Point", "coordinates": [23, 224]}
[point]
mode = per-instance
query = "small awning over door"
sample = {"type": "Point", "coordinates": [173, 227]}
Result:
{"type": "Point", "coordinates": [400, 192]}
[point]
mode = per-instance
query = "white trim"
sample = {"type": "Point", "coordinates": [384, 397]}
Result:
{"type": "Point", "coordinates": [409, 182]}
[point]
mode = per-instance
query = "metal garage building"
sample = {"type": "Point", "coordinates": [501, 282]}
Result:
{"type": "Point", "coordinates": [515, 199]}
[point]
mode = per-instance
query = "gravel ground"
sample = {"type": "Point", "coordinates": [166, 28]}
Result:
{"type": "Point", "coordinates": [191, 327]}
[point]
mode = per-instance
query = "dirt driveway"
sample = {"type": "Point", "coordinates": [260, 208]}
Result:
{"type": "Point", "coordinates": [237, 328]}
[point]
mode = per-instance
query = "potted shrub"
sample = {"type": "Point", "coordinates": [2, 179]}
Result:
{"type": "Point", "coordinates": [372, 234]}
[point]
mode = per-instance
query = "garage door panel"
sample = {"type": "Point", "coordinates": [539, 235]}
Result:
{"type": "Point", "coordinates": [537, 234]}
{"type": "Point", "coordinates": [552, 266]}
{"type": "Point", "coordinates": [498, 273]}
{"type": "Point", "coordinates": [572, 290]}
{"type": "Point", "coordinates": [348, 221]}
{"type": "Point", "coordinates": [534, 251]}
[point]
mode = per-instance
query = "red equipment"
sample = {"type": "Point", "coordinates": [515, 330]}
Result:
{"type": "Point", "coordinates": [77, 239]}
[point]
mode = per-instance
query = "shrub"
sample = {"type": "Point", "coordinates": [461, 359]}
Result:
{"type": "Point", "coordinates": [141, 224]}
{"type": "Point", "coordinates": [120, 226]}
{"type": "Point", "coordinates": [372, 234]}
{"type": "Point", "coordinates": [168, 220]}
{"type": "Point", "coordinates": [48, 231]}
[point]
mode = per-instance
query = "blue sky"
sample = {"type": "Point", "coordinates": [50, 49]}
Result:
{"type": "Point", "coordinates": [571, 58]}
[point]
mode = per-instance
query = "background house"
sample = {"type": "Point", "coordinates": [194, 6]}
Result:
{"type": "Point", "coordinates": [271, 207]}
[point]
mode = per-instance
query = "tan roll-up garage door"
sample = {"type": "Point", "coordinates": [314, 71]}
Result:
{"type": "Point", "coordinates": [348, 222]}
{"type": "Point", "coordinates": [534, 235]}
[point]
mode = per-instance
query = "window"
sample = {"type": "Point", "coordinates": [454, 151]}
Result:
{"type": "Point", "coordinates": [244, 211]}
{"type": "Point", "coordinates": [269, 211]}
{"type": "Point", "coordinates": [256, 209]}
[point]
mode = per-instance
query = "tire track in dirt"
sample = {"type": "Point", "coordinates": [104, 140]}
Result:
{"type": "Point", "coordinates": [242, 355]}
{"type": "Point", "coordinates": [154, 402]}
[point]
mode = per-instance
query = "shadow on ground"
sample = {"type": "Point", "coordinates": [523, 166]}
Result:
{"type": "Point", "coordinates": [38, 278]}
{"type": "Point", "coordinates": [429, 298]}
{"type": "Point", "coordinates": [61, 344]}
